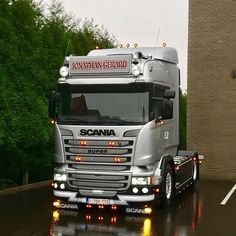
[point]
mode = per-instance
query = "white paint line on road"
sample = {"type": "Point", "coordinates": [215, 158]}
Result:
{"type": "Point", "coordinates": [228, 195]}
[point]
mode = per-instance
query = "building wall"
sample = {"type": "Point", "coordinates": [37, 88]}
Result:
{"type": "Point", "coordinates": [211, 108]}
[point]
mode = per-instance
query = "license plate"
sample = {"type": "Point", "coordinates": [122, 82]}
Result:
{"type": "Point", "coordinates": [98, 201]}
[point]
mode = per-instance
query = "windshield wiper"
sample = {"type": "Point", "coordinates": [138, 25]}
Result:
{"type": "Point", "coordinates": [116, 121]}
{"type": "Point", "coordinates": [71, 120]}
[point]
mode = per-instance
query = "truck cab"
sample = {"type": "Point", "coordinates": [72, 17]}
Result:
{"type": "Point", "coordinates": [116, 114]}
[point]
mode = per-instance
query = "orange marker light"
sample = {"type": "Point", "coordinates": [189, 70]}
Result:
{"type": "Point", "coordinates": [113, 220]}
{"type": "Point", "coordinates": [88, 206]}
{"type": "Point", "coordinates": [77, 158]}
{"type": "Point", "coordinates": [111, 144]}
{"type": "Point", "coordinates": [52, 122]}
{"type": "Point", "coordinates": [117, 159]}
{"type": "Point", "coordinates": [157, 190]}
{"type": "Point", "coordinates": [162, 122]}
{"type": "Point", "coordinates": [113, 207]}
{"type": "Point", "coordinates": [88, 217]}
{"type": "Point", "coordinates": [83, 143]}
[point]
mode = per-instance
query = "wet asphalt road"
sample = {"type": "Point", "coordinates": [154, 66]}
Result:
{"type": "Point", "coordinates": [196, 212]}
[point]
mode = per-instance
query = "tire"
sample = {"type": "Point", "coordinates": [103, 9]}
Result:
{"type": "Point", "coordinates": [167, 186]}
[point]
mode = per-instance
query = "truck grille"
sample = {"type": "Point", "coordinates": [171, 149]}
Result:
{"type": "Point", "coordinates": [98, 181]}
{"type": "Point", "coordinates": [98, 151]}
{"type": "Point", "coordinates": [99, 164]}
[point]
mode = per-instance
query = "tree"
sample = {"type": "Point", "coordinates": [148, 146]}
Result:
{"type": "Point", "coordinates": [33, 45]}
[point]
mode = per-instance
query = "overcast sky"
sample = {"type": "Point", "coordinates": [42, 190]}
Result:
{"type": "Point", "coordinates": [139, 21]}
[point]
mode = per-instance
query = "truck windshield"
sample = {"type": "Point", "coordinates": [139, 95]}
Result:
{"type": "Point", "coordinates": [104, 108]}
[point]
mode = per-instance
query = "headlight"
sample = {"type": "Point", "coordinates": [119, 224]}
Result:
{"type": "Point", "coordinates": [64, 71]}
{"type": "Point", "coordinates": [136, 70]}
{"type": "Point", "coordinates": [60, 177]}
{"type": "Point", "coordinates": [141, 180]}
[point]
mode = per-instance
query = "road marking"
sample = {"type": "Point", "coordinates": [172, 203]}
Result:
{"type": "Point", "coordinates": [228, 195]}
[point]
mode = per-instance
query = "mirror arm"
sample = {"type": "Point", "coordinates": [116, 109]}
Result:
{"type": "Point", "coordinates": [159, 119]}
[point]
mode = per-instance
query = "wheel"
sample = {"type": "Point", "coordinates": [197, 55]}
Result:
{"type": "Point", "coordinates": [167, 186]}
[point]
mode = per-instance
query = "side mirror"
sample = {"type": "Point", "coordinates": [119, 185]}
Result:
{"type": "Point", "coordinates": [168, 94]}
{"type": "Point", "coordinates": [52, 98]}
{"type": "Point", "coordinates": [166, 109]}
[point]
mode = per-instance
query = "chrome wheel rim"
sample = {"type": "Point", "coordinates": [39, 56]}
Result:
{"type": "Point", "coordinates": [168, 185]}
{"type": "Point", "coordinates": [194, 171]}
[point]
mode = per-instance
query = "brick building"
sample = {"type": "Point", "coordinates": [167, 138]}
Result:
{"type": "Point", "coordinates": [211, 127]}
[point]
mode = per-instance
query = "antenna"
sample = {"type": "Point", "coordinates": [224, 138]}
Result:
{"type": "Point", "coordinates": [158, 34]}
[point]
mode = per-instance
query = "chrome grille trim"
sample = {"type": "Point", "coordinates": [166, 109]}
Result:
{"type": "Point", "coordinates": [86, 167]}
{"type": "Point", "coordinates": [98, 151]}
{"type": "Point", "coordinates": [99, 181]}
{"type": "Point", "coordinates": [97, 143]}
{"type": "Point", "coordinates": [94, 159]}
{"type": "Point", "coordinates": [94, 151]}
{"type": "Point", "coordinates": [93, 165]}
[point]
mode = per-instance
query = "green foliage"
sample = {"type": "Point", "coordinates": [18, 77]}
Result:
{"type": "Point", "coordinates": [33, 43]}
{"type": "Point", "coordinates": [6, 183]}
{"type": "Point", "coordinates": [183, 121]}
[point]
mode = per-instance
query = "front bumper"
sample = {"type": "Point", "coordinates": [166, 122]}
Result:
{"type": "Point", "coordinates": [123, 200]}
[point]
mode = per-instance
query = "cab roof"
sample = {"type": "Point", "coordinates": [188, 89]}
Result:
{"type": "Point", "coordinates": [167, 54]}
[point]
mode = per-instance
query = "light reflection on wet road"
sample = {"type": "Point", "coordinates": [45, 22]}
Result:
{"type": "Point", "coordinates": [196, 212]}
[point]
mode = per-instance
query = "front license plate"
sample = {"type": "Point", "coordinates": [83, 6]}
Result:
{"type": "Point", "coordinates": [98, 201]}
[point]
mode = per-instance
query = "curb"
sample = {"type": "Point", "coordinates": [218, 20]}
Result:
{"type": "Point", "coordinates": [25, 187]}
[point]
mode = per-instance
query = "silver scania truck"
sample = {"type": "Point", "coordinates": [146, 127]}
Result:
{"type": "Point", "coordinates": [116, 113]}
